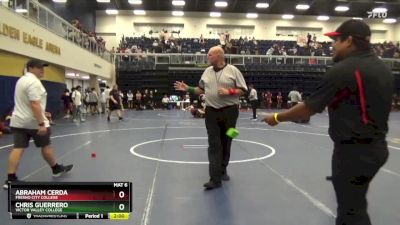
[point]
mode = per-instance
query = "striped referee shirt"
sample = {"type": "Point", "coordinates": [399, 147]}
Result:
{"type": "Point", "coordinates": [228, 77]}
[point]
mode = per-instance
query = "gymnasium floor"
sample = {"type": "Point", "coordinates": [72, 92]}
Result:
{"type": "Point", "coordinates": [277, 177]}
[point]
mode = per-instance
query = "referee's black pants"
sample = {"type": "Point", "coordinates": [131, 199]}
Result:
{"type": "Point", "coordinates": [218, 121]}
{"type": "Point", "coordinates": [353, 168]}
{"type": "Point", "coordinates": [254, 105]}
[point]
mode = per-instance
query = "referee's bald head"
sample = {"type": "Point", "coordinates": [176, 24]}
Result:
{"type": "Point", "coordinates": [216, 56]}
{"type": "Point", "coordinates": [217, 50]}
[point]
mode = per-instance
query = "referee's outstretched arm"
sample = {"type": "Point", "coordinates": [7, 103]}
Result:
{"type": "Point", "coordinates": [297, 112]}
{"type": "Point", "coordinates": [181, 86]}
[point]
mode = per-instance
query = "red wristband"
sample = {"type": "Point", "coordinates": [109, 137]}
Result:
{"type": "Point", "coordinates": [232, 91]}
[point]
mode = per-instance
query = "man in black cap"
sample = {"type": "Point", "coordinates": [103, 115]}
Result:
{"type": "Point", "coordinates": [29, 121]}
{"type": "Point", "coordinates": [357, 91]}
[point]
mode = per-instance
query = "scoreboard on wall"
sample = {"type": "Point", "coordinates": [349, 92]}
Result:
{"type": "Point", "coordinates": [70, 200]}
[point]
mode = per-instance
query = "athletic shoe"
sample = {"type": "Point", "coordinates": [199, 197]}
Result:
{"type": "Point", "coordinates": [7, 182]}
{"type": "Point", "coordinates": [225, 177]}
{"type": "Point", "coordinates": [254, 120]}
{"type": "Point", "coordinates": [212, 185]}
{"type": "Point", "coordinates": [61, 170]}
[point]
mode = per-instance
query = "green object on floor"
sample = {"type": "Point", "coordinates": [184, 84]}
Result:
{"type": "Point", "coordinates": [232, 132]}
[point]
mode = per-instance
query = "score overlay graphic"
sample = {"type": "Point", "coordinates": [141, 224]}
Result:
{"type": "Point", "coordinates": [70, 200]}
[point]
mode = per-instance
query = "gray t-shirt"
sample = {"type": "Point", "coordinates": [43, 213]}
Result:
{"type": "Point", "coordinates": [295, 96]}
{"type": "Point", "coordinates": [253, 95]}
{"type": "Point", "coordinates": [228, 77]}
{"type": "Point", "coordinates": [28, 88]}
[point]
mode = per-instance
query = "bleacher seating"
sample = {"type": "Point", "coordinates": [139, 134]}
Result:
{"type": "Point", "coordinates": [192, 45]}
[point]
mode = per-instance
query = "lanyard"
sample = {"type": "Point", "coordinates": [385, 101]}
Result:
{"type": "Point", "coordinates": [218, 78]}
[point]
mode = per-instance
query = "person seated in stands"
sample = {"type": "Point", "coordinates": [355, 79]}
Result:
{"type": "Point", "coordinates": [155, 43]}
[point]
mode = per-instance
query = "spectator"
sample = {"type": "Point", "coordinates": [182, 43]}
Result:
{"type": "Point", "coordinates": [67, 103]}
{"type": "Point", "coordinates": [270, 51]}
{"type": "Point", "coordinates": [294, 97]}
{"type": "Point", "coordinates": [77, 101]}
{"type": "Point", "coordinates": [279, 100]}
{"type": "Point", "coordinates": [165, 101]}
{"type": "Point", "coordinates": [253, 101]}
{"type": "Point", "coordinates": [138, 100]}
{"type": "Point", "coordinates": [93, 101]}
{"type": "Point", "coordinates": [129, 95]}
{"type": "Point", "coordinates": [103, 101]}
{"type": "Point", "coordinates": [308, 39]}
{"type": "Point", "coordinates": [115, 103]}
{"type": "Point", "coordinates": [202, 42]}
{"type": "Point", "coordinates": [268, 99]}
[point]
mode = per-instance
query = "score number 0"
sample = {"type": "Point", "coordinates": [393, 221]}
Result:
{"type": "Point", "coordinates": [121, 195]}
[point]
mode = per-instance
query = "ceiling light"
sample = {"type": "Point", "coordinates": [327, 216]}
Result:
{"type": "Point", "coordinates": [389, 20]}
{"type": "Point", "coordinates": [139, 12]}
{"type": "Point", "coordinates": [252, 15]}
{"type": "Point", "coordinates": [178, 3]}
{"type": "Point", "coordinates": [357, 18]}
{"type": "Point", "coordinates": [302, 7]}
{"type": "Point", "coordinates": [112, 11]}
{"type": "Point", "coordinates": [103, 1]}
{"type": "Point", "coordinates": [262, 5]}
{"type": "Point", "coordinates": [135, 2]}
{"type": "Point", "coordinates": [287, 16]}
{"type": "Point", "coordinates": [215, 14]}
{"type": "Point", "coordinates": [178, 13]}
{"type": "Point", "coordinates": [342, 8]}
{"type": "Point", "coordinates": [323, 18]}
{"type": "Point", "coordinates": [221, 4]}
{"type": "Point", "coordinates": [379, 10]}
{"type": "Point", "coordinates": [60, 1]}
{"type": "Point", "coordinates": [21, 10]}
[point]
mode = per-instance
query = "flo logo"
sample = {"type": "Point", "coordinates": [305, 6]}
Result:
{"type": "Point", "coordinates": [378, 15]}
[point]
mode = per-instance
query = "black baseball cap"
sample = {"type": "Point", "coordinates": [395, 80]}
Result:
{"type": "Point", "coordinates": [355, 28]}
{"type": "Point", "coordinates": [36, 63]}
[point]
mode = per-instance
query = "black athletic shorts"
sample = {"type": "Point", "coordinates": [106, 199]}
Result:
{"type": "Point", "coordinates": [22, 137]}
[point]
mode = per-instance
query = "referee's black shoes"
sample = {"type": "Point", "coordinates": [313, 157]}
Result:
{"type": "Point", "coordinates": [212, 185]}
{"type": "Point", "coordinates": [225, 177]}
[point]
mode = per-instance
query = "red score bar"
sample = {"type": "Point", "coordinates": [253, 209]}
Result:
{"type": "Point", "coordinates": [81, 195]}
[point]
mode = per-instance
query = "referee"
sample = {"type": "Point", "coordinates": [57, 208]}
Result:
{"type": "Point", "coordinates": [222, 85]}
{"type": "Point", "coordinates": [29, 121]}
{"type": "Point", "coordinates": [357, 91]}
